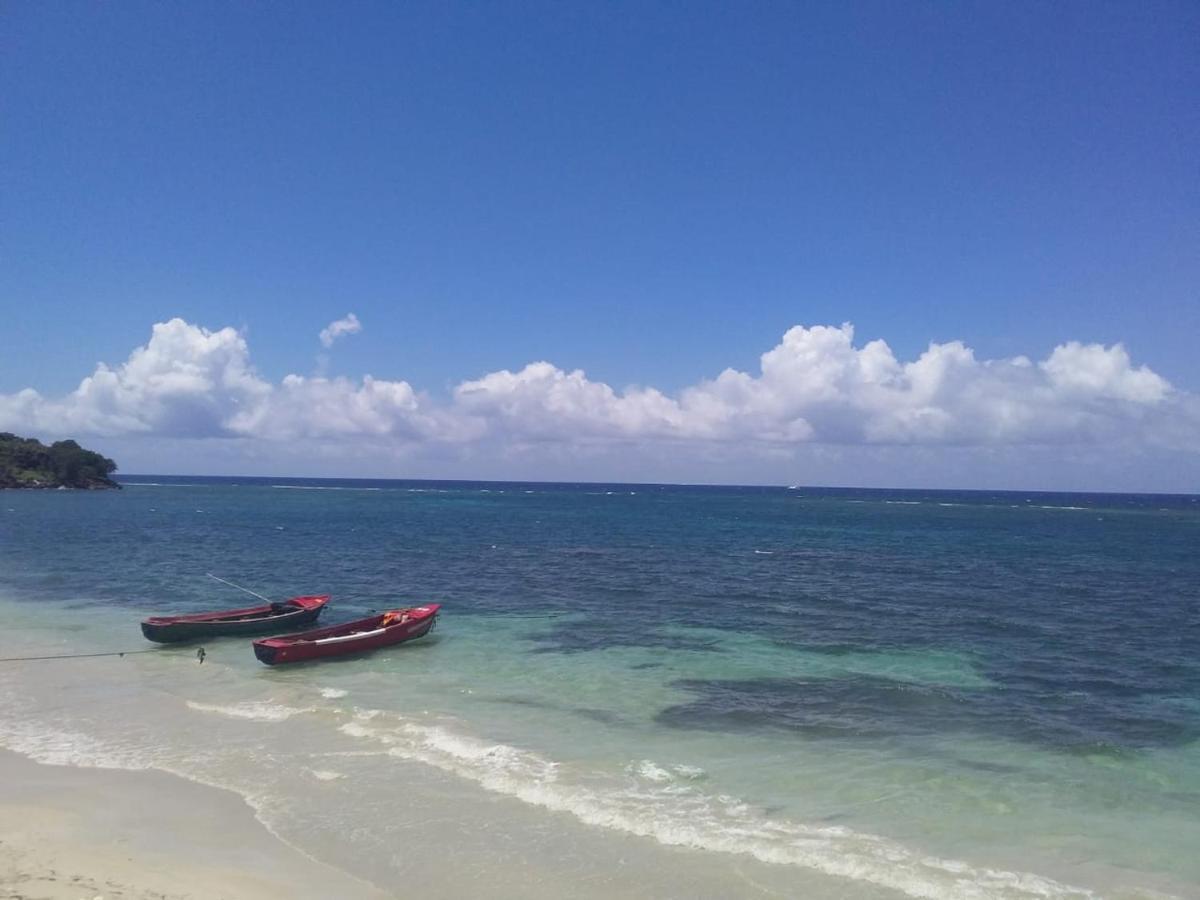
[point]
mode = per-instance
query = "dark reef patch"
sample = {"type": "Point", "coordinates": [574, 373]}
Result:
{"type": "Point", "coordinates": [872, 707]}
{"type": "Point", "coordinates": [600, 634]}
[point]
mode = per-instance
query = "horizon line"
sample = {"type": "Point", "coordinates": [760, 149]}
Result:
{"type": "Point", "coordinates": [682, 484]}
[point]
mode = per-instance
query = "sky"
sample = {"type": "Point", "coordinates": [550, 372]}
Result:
{"type": "Point", "coordinates": [885, 244]}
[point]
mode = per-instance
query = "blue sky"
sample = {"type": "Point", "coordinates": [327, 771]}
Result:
{"type": "Point", "coordinates": [648, 192]}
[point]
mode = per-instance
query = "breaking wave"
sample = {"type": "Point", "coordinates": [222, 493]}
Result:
{"type": "Point", "coordinates": [255, 710]}
{"type": "Point", "coordinates": [65, 747]}
{"type": "Point", "coordinates": [664, 804]}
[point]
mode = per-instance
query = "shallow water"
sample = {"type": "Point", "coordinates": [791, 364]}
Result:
{"type": "Point", "coordinates": [649, 691]}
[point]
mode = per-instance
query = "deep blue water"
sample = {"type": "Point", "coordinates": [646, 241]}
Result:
{"type": "Point", "coordinates": [1081, 610]}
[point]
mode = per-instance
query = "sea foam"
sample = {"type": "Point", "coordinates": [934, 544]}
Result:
{"type": "Point", "coordinates": [658, 805]}
{"type": "Point", "coordinates": [66, 747]}
{"type": "Point", "coordinates": [325, 775]}
{"type": "Point", "coordinates": [255, 710]}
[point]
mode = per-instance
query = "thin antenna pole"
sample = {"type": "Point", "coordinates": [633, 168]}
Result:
{"type": "Point", "coordinates": [239, 587]}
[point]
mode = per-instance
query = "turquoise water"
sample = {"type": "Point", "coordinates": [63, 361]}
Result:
{"type": "Point", "coordinates": [651, 691]}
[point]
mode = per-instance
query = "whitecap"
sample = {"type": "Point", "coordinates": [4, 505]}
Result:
{"type": "Point", "coordinates": [660, 808]}
{"type": "Point", "coordinates": [63, 747]}
{"type": "Point", "coordinates": [254, 710]}
{"type": "Point", "coordinates": [649, 770]}
{"type": "Point", "coordinates": [320, 487]}
{"type": "Point", "coordinates": [157, 484]}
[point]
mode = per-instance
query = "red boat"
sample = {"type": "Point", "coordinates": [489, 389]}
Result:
{"type": "Point", "coordinates": [283, 616]}
{"type": "Point", "coordinates": [383, 630]}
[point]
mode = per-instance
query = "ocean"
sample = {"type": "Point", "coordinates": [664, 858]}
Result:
{"type": "Point", "coordinates": [642, 690]}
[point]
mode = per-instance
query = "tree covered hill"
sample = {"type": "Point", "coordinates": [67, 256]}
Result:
{"type": "Point", "coordinates": [28, 463]}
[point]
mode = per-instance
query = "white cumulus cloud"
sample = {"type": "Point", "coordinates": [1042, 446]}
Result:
{"type": "Point", "coordinates": [815, 388]}
{"type": "Point", "coordinates": [334, 330]}
{"type": "Point", "coordinates": [190, 382]}
{"type": "Point", "coordinates": [186, 382]}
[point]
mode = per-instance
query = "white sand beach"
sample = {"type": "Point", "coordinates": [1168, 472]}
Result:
{"type": "Point", "coordinates": [69, 833]}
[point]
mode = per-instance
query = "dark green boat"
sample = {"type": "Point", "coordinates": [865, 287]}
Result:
{"type": "Point", "coordinates": [274, 617]}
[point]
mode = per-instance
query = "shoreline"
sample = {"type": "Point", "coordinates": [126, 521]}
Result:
{"type": "Point", "coordinates": [68, 832]}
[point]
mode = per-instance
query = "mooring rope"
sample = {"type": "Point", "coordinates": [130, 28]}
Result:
{"type": "Point", "coordinates": [200, 654]}
{"type": "Point", "coordinates": [239, 587]}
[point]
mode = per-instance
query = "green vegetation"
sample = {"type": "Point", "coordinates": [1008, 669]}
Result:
{"type": "Point", "coordinates": [28, 463]}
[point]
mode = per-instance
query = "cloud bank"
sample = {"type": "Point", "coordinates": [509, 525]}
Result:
{"type": "Point", "coordinates": [816, 388]}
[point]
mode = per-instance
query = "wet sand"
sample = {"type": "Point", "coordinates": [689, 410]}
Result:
{"type": "Point", "coordinates": [69, 833]}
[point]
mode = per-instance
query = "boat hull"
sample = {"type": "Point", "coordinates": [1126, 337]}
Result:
{"type": "Point", "coordinates": [351, 638]}
{"type": "Point", "coordinates": [259, 620]}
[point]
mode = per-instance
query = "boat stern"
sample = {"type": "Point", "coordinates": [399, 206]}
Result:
{"type": "Point", "coordinates": [266, 653]}
{"type": "Point", "coordinates": [161, 632]}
